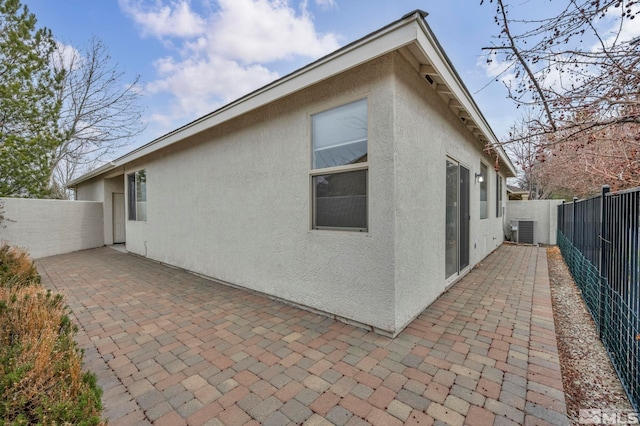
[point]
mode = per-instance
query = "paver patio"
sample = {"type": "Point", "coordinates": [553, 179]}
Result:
{"type": "Point", "coordinates": [172, 348]}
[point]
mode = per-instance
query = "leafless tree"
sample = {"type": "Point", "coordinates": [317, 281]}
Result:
{"type": "Point", "coordinates": [580, 71]}
{"type": "Point", "coordinates": [580, 165]}
{"type": "Point", "coordinates": [551, 166]}
{"type": "Point", "coordinates": [571, 63]}
{"type": "Point", "coordinates": [100, 111]}
{"type": "Point", "coordinates": [529, 156]}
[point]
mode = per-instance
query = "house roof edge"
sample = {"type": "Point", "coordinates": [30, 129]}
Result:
{"type": "Point", "coordinates": [311, 74]}
{"type": "Point", "coordinates": [492, 141]}
{"type": "Point", "coordinates": [93, 173]}
{"type": "Point", "coordinates": [171, 138]}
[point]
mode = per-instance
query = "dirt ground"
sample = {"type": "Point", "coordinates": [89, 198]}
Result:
{"type": "Point", "coordinates": [589, 379]}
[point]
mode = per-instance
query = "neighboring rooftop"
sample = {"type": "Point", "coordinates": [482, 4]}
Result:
{"type": "Point", "coordinates": [516, 193]}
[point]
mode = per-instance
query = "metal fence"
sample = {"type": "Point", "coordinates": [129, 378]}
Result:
{"type": "Point", "coordinates": [599, 240]}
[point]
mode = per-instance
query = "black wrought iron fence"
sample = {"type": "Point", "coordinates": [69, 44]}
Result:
{"type": "Point", "coordinates": [600, 241]}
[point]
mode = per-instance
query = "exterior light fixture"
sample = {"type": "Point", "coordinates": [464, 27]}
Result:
{"type": "Point", "coordinates": [480, 177]}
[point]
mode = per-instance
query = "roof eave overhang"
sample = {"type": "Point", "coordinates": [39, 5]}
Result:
{"type": "Point", "coordinates": [96, 172]}
{"type": "Point", "coordinates": [443, 77]}
{"type": "Point", "coordinates": [411, 31]}
{"type": "Point", "coordinates": [377, 44]}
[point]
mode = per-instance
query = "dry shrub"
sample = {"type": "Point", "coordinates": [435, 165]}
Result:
{"type": "Point", "coordinates": [41, 377]}
{"type": "Point", "coordinates": [16, 267]}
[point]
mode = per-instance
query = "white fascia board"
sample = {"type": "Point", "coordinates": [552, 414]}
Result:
{"type": "Point", "coordinates": [377, 44]}
{"type": "Point", "coordinates": [430, 48]}
{"type": "Point", "coordinates": [412, 30]}
{"type": "Point", "coordinates": [102, 169]}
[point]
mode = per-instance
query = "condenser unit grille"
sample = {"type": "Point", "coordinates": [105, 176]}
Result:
{"type": "Point", "coordinates": [525, 231]}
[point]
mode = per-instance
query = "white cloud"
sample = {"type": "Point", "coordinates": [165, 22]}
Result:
{"type": "Point", "coordinates": [66, 56]}
{"type": "Point", "coordinates": [497, 69]}
{"type": "Point", "coordinates": [202, 84]}
{"type": "Point", "coordinates": [326, 4]}
{"type": "Point", "coordinates": [504, 71]}
{"type": "Point", "coordinates": [618, 31]}
{"type": "Point", "coordinates": [159, 20]}
{"type": "Point", "coordinates": [266, 30]}
{"type": "Point", "coordinates": [221, 53]}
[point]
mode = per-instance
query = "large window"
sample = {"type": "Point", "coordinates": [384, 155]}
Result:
{"type": "Point", "coordinates": [484, 207]}
{"type": "Point", "coordinates": [137, 183]}
{"type": "Point", "coordinates": [339, 167]}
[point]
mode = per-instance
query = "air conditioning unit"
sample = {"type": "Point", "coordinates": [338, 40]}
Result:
{"type": "Point", "coordinates": [523, 231]}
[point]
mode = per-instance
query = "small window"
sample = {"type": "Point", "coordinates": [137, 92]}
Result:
{"type": "Point", "coordinates": [137, 188]}
{"type": "Point", "coordinates": [484, 208]}
{"type": "Point", "coordinates": [340, 144]}
{"type": "Point", "coordinates": [340, 200]}
{"type": "Point", "coordinates": [498, 195]}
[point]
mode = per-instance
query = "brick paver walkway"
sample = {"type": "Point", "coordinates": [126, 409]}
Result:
{"type": "Point", "coordinates": [171, 348]}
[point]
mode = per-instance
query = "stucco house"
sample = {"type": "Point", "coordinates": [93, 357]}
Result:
{"type": "Point", "coordinates": [360, 186]}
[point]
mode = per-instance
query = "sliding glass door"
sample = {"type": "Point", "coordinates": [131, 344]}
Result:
{"type": "Point", "coordinates": [457, 219]}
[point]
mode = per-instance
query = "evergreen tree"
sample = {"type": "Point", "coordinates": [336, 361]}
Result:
{"type": "Point", "coordinates": [28, 104]}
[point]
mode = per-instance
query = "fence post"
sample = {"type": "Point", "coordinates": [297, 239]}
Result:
{"type": "Point", "coordinates": [561, 217]}
{"type": "Point", "coordinates": [603, 269]}
{"type": "Point", "coordinates": [573, 230]}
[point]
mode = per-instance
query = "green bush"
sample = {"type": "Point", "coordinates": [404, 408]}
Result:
{"type": "Point", "coordinates": [41, 377]}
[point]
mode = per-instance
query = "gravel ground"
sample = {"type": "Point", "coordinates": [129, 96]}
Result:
{"type": "Point", "coordinates": [589, 379]}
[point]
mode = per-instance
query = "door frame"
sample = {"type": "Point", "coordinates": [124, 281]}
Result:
{"type": "Point", "coordinates": [113, 218]}
{"type": "Point", "coordinates": [462, 229]}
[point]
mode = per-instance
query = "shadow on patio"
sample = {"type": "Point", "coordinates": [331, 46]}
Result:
{"type": "Point", "coordinates": [169, 347]}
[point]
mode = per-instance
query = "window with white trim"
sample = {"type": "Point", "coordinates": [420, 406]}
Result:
{"type": "Point", "coordinates": [339, 167]}
{"type": "Point", "coordinates": [137, 200]}
{"type": "Point", "coordinates": [484, 207]}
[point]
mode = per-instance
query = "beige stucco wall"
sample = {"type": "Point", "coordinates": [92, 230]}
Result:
{"type": "Point", "coordinates": [49, 227]}
{"type": "Point", "coordinates": [427, 133]}
{"type": "Point", "coordinates": [233, 204]}
{"type": "Point", "coordinates": [543, 212]}
{"type": "Point", "coordinates": [102, 189]}
{"type": "Point", "coordinates": [92, 190]}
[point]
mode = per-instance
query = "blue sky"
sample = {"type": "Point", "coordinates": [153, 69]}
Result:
{"type": "Point", "coordinates": [195, 55]}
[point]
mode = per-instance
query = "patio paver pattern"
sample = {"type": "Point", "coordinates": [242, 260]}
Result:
{"type": "Point", "coordinates": [172, 348]}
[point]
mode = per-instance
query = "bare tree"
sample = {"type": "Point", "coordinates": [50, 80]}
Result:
{"type": "Point", "coordinates": [579, 166]}
{"type": "Point", "coordinates": [580, 72]}
{"type": "Point", "coordinates": [100, 111]}
{"type": "Point", "coordinates": [529, 156]}
{"type": "Point", "coordinates": [571, 63]}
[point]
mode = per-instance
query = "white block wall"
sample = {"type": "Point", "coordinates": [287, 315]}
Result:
{"type": "Point", "coordinates": [543, 212]}
{"type": "Point", "coordinates": [50, 227]}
